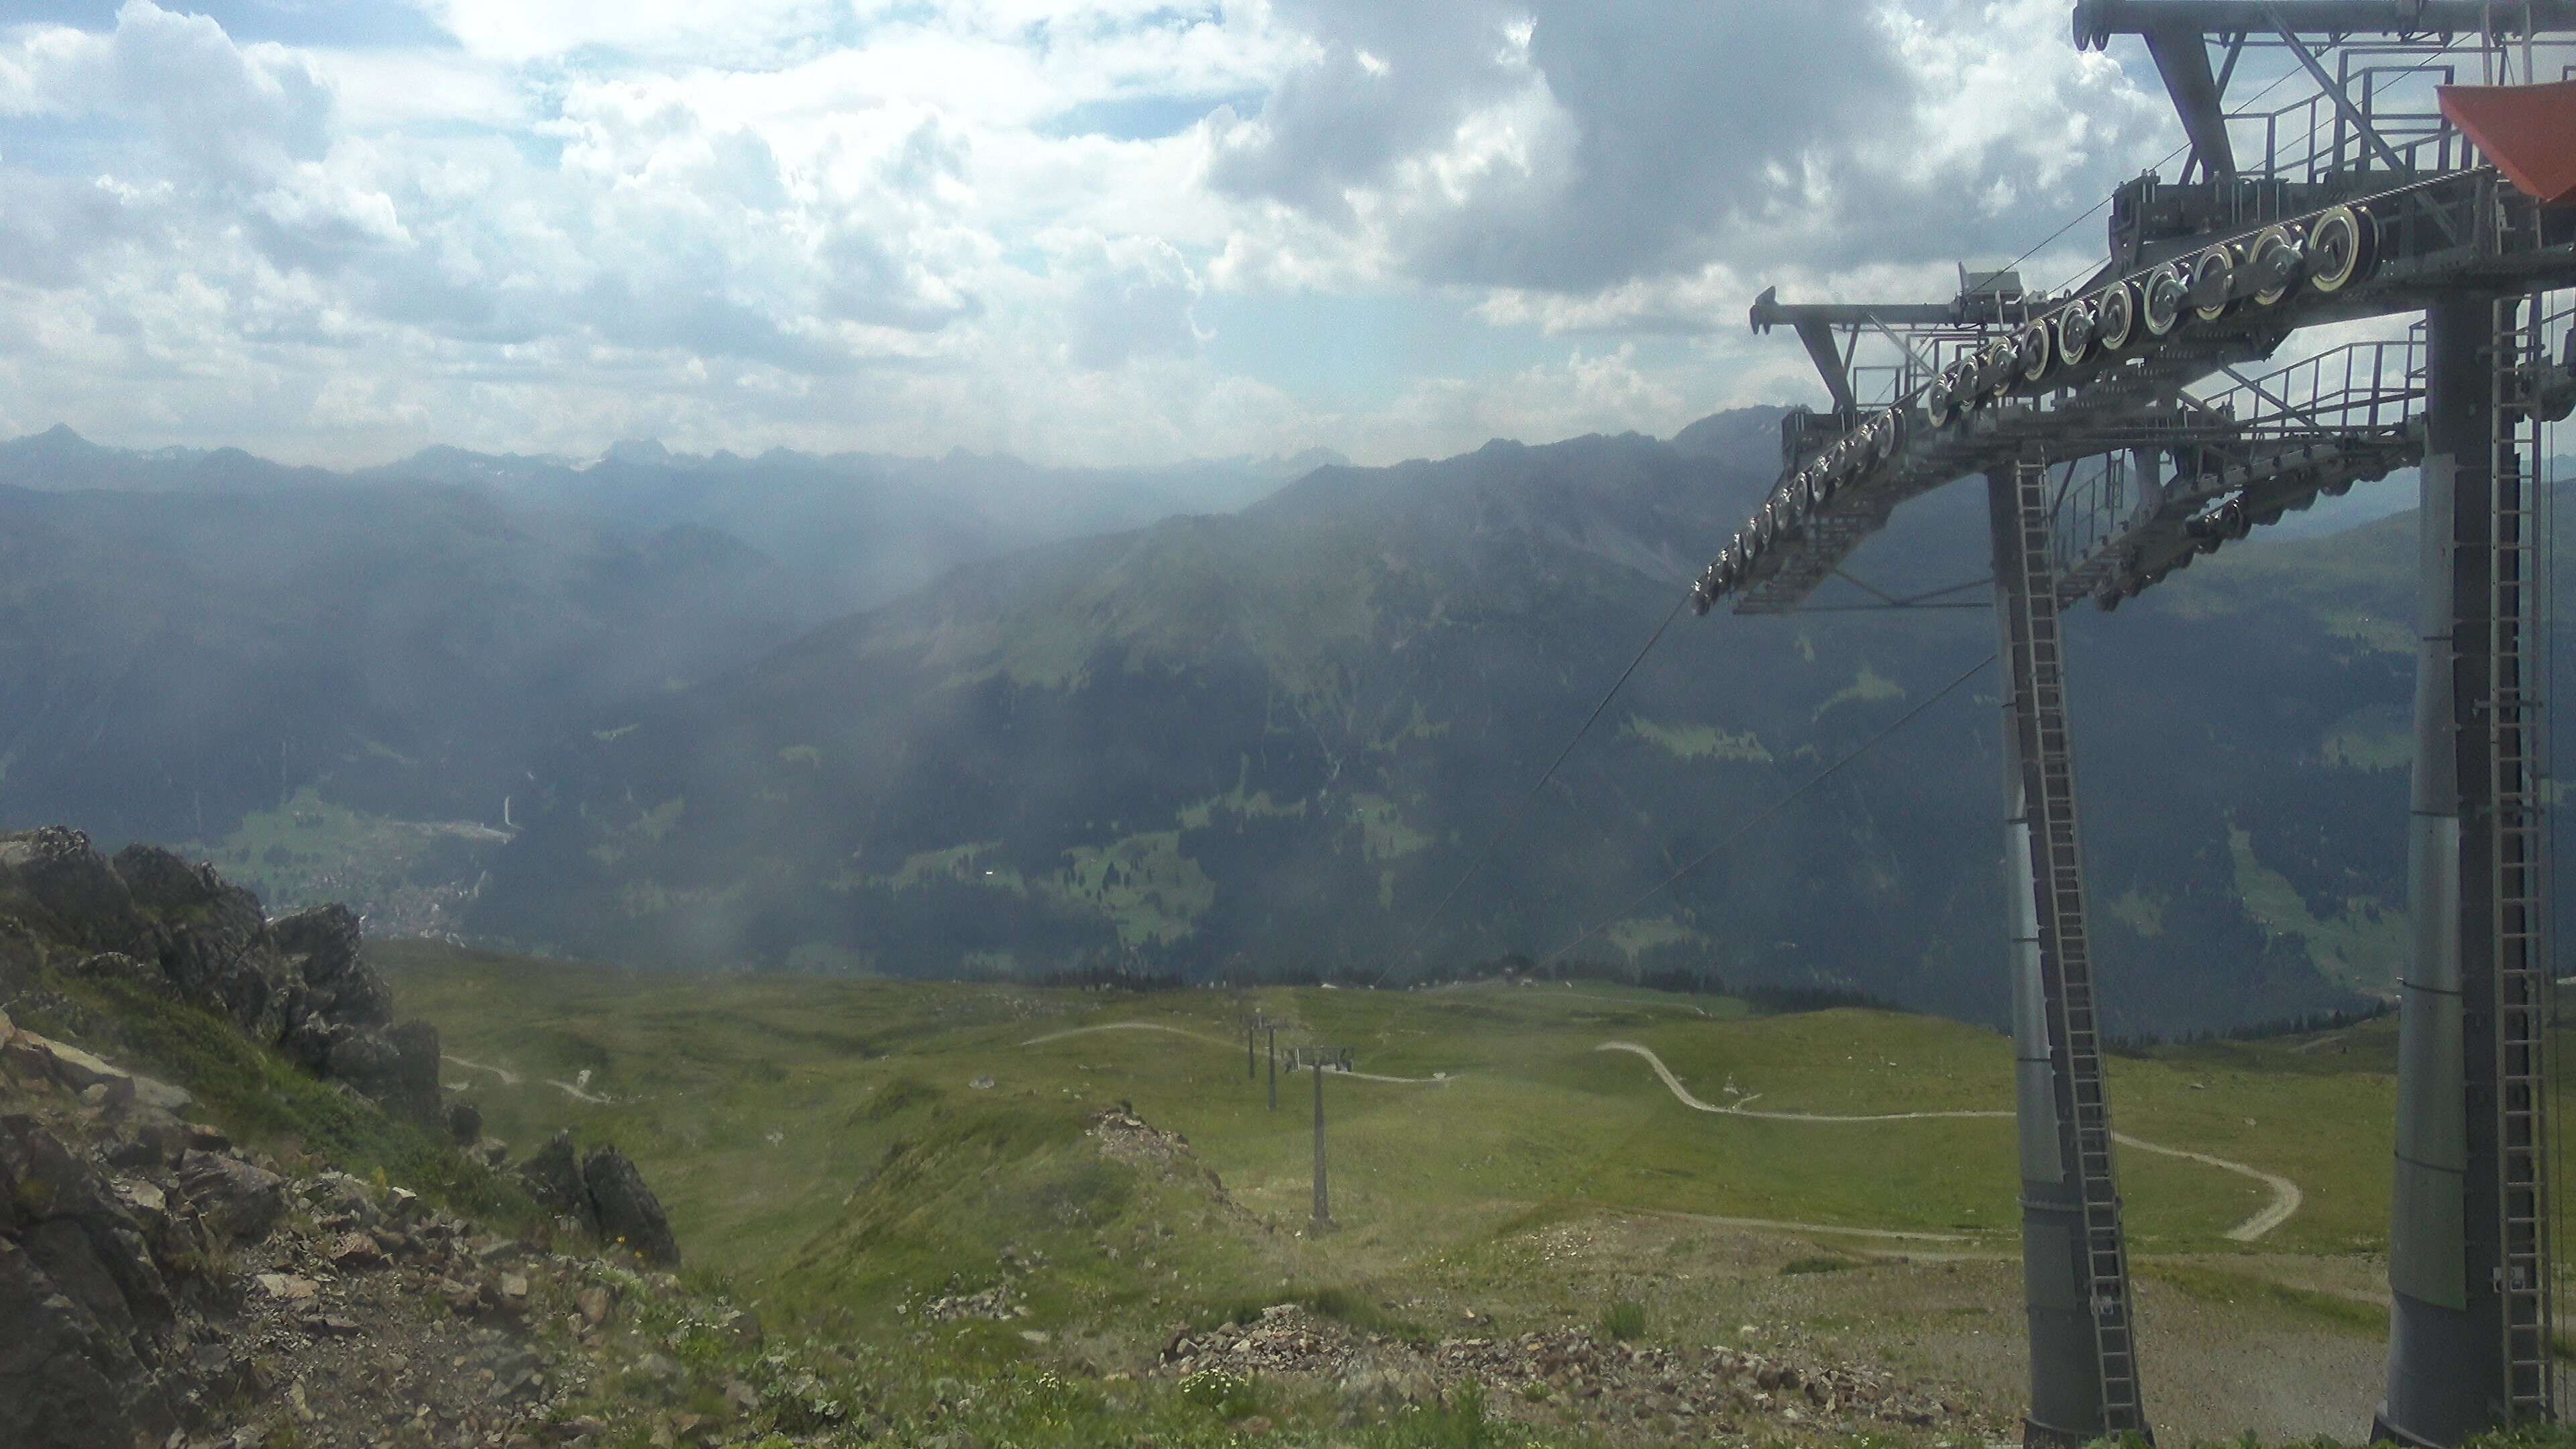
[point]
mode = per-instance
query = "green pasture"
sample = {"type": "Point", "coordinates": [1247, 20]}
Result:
{"type": "Point", "coordinates": [824, 1141]}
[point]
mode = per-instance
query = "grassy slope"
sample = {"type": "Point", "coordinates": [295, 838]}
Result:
{"type": "Point", "coordinates": [261, 1101]}
{"type": "Point", "coordinates": [812, 1136]}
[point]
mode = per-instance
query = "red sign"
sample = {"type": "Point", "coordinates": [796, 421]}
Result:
{"type": "Point", "coordinates": [2529, 132]}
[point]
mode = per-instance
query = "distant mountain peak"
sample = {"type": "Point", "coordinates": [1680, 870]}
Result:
{"type": "Point", "coordinates": [1722, 432]}
{"type": "Point", "coordinates": [643, 452]}
{"type": "Point", "coordinates": [58, 441]}
{"type": "Point", "coordinates": [1302, 462]}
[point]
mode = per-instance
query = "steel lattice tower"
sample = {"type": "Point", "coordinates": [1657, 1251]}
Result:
{"type": "Point", "coordinates": [2358, 201]}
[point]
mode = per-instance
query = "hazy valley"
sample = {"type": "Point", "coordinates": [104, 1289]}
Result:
{"type": "Point", "coordinates": [568, 709]}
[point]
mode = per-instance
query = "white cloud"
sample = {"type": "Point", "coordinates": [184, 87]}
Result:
{"type": "Point", "coordinates": [995, 223]}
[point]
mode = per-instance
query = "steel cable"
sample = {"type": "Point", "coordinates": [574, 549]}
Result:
{"type": "Point", "coordinates": [1512, 821]}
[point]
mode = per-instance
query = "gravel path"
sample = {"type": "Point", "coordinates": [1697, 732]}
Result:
{"type": "Point", "coordinates": [2286, 1196]}
{"type": "Point", "coordinates": [2285, 1201]}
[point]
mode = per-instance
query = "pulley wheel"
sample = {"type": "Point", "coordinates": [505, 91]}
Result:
{"type": "Point", "coordinates": [2166, 294]}
{"type": "Point", "coordinates": [2275, 261]}
{"type": "Point", "coordinates": [2037, 350]}
{"type": "Point", "coordinates": [2074, 333]}
{"type": "Point", "coordinates": [2343, 246]}
{"type": "Point", "coordinates": [2213, 279]}
{"type": "Point", "coordinates": [1995, 367]}
{"type": "Point", "coordinates": [1882, 439]}
{"type": "Point", "coordinates": [2115, 317]}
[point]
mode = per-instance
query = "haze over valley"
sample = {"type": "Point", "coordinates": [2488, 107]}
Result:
{"type": "Point", "coordinates": [875, 716]}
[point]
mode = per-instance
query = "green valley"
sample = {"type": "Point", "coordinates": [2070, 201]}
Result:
{"type": "Point", "coordinates": [1507, 1160]}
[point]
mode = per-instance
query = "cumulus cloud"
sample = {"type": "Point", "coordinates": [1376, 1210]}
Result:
{"type": "Point", "coordinates": [993, 223]}
{"type": "Point", "coordinates": [1576, 149]}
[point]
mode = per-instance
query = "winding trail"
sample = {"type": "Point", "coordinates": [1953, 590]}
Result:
{"type": "Point", "coordinates": [1696, 1104]}
{"type": "Point", "coordinates": [2286, 1196]}
{"type": "Point", "coordinates": [511, 1079]}
{"type": "Point", "coordinates": [1442, 1080]}
{"type": "Point", "coordinates": [2285, 1200]}
{"type": "Point", "coordinates": [508, 1078]}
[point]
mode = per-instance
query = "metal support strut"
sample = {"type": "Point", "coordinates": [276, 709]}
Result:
{"type": "Point", "coordinates": [2083, 1352]}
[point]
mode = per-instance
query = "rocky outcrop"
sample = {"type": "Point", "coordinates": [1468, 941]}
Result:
{"type": "Point", "coordinates": [552, 1175]}
{"type": "Point", "coordinates": [605, 1194]}
{"type": "Point", "coordinates": [63, 1379]}
{"type": "Point", "coordinates": [239, 1202]}
{"type": "Point", "coordinates": [84, 1303]}
{"type": "Point", "coordinates": [56, 884]}
{"type": "Point", "coordinates": [322, 946]}
{"type": "Point", "coordinates": [626, 1209]}
{"type": "Point", "coordinates": [209, 936]}
{"type": "Point", "coordinates": [153, 920]}
{"type": "Point", "coordinates": [160, 1285]}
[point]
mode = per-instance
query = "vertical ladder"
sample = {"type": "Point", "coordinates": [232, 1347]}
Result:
{"type": "Point", "coordinates": [2066, 956]}
{"type": "Point", "coordinates": [2517, 782]}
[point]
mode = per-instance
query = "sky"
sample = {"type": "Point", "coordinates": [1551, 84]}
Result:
{"type": "Point", "coordinates": [1114, 232]}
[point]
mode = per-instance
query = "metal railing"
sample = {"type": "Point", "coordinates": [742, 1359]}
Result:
{"type": "Point", "coordinates": [2361, 387]}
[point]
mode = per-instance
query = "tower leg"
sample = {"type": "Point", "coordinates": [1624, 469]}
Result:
{"type": "Point", "coordinates": [2083, 1374]}
{"type": "Point", "coordinates": [2467, 1347]}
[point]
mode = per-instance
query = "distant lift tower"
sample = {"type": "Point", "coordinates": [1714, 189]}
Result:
{"type": "Point", "coordinates": [2385, 190]}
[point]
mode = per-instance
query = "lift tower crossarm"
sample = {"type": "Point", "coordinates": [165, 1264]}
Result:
{"type": "Point", "coordinates": [1770, 312]}
{"type": "Point", "coordinates": [2096, 21]}
{"type": "Point", "coordinates": [1815, 324]}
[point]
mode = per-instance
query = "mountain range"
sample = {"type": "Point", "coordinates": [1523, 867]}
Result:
{"type": "Point", "coordinates": [1275, 741]}
{"type": "Point", "coordinates": [335, 681]}
{"type": "Point", "coordinates": [1270, 738]}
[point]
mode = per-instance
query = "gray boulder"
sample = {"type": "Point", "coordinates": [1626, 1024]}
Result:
{"type": "Point", "coordinates": [66, 1382]}
{"type": "Point", "coordinates": [395, 1066]}
{"type": "Point", "coordinates": [359, 1058]}
{"type": "Point", "coordinates": [76, 1232]}
{"type": "Point", "coordinates": [234, 1198]}
{"type": "Point", "coordinates": [321, 949]}
{"type": "Point", "coordinates": [552, 1175]}
{"type": "Point", "coordinates": [465, 1123]}
{"type": "Point", "coordinates": [40, 1178]}
{"type": "Point", "coordinates": [626, 1209]}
